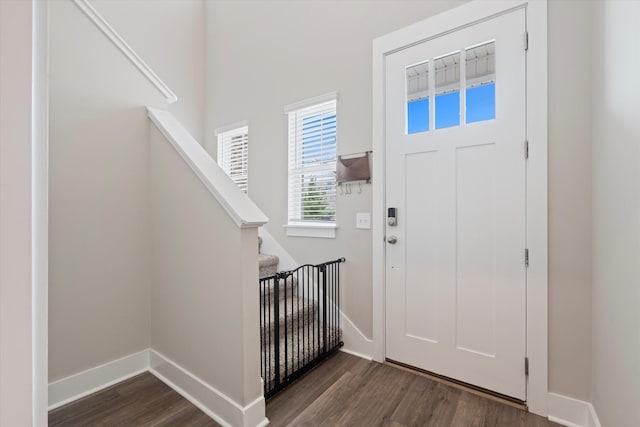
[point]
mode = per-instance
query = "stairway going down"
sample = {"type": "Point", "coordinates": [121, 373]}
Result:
{"type": "Point", "coordinates": [299, 319]}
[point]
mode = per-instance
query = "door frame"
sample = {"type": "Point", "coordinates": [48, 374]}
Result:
{"type": "Point", "coordinates": [536, 211]}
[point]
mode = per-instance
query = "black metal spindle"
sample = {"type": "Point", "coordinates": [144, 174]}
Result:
{"type": "Point", "coordinates": [333, 305]}
{"type": "Point", "coordinates": [294, 285]}
{"type": "Point", "coordinates": [323, 271]}
{"type": "Point", "coordinates": [305, 322]}
{"type": "Point", "coordinates": [262, 342]}
{"type": "Point", "coordinates": [276, 323]}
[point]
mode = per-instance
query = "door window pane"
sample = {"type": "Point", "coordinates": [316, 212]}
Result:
{"type": "Point", "coordinates": [418, 98]}
{"type": "Point", "coordinates": [447, 78]}
{"type": "Point", "coordinates": [480, 73]}
{"type": "Point", "coordinates": [418, 116]}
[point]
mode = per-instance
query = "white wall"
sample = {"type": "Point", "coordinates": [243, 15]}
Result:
{"type": "Point", "coordinates": [169, 36]}
{"type": "Point", "coordinates": [100, 231]}
{"type": "Point", "coordinates": [262, 56]}
{"type": "Point", "coordinates": [616, 213]}
{"type": "Point", "coordinates": [569, 25]}
{"type": "Point", "coordinates": [204, 314]}
{"type": "Point", "coordinates": [100, 272]}
{"type": "Point", "coordinates": [15, 213]}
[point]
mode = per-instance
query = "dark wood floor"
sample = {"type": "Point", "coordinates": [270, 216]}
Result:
{"type": "Point", "coordinates": [349, 391]}
{"type": "Point", "coordinates": [344, 391]}
{"type": "Point", "coordinates": [142, 400]}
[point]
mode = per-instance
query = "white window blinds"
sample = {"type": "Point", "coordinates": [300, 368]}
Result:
{"type": "Point", "coordinates": [312, 164]}
{"type": "Point", "coordinates": [233, 155]}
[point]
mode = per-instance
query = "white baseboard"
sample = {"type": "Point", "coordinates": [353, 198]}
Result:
{"type": "Point", "coordinates": [95, 379]}
{"type": "Point", "coordinates": [571, 412]}
{"type": "Point", "coordinates": [213, 402]}
{"type": "Point", "coordinates": [593, 420]}
{"type": "Point", "coordinates": [355, 342]}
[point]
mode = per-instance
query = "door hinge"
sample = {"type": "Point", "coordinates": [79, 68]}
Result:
{"type": "Point", "coordinates": [526, 40]}
{"type": "Point", "coordinates": [526, 366]}
{"type": "Point", "coordinates": [526, 149]}
{"type": "Point", "coordinates": [526, 258]}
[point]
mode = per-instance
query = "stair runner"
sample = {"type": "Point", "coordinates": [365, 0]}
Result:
{"type": "Point", "coordinates": [299, 321]}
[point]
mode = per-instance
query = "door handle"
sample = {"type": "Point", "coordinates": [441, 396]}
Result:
{"type": "Point", "coordinates": [392, 240]}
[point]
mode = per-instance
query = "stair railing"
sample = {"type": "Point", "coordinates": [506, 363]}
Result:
{"type": "Point", "coordinates": [122, 45]}
{"type": "Point", "coordinates": [299, 322]}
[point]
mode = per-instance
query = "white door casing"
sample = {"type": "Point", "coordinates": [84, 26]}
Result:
{"type": "Point", "coordinates": [456, 277]}
{"type": "Point", "coordinates": [536, 184]}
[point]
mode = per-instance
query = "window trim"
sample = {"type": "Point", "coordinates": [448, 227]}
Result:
{"type": "Point", "coordinates": [320, 99]}
{"type": "Point", "coordinates": [301, 228]}
{"type": "Point", "coordinates": [311, 229]}
{"type": "Point", "coordinates": [233, 128]}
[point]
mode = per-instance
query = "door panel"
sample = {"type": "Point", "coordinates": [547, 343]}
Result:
{"type": "Point", "coordinates": [476, 248]}
{"type": "Point", "coordinates": [421, 171]}
{"type": "Point", "coordinates": [456, 279]}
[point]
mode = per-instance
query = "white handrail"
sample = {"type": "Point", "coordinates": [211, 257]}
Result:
{"type": "Point", "coordinates": [119, 42]}
{"type": "Point", "coordinates": [239, 207]}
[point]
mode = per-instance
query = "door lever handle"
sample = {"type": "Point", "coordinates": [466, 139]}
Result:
{"type": "Point", "coordinates": [392, 240]}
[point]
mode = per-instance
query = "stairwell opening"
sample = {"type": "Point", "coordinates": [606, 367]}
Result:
{"type": "Point", "coordinates": [299, 319]}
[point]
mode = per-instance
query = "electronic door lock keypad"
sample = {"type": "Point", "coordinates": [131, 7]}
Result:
{"type": "Point", "coordinates": [391, 217]}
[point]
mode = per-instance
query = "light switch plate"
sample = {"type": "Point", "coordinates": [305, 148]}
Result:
{"type": "Point", "coordinates": [363, 220]}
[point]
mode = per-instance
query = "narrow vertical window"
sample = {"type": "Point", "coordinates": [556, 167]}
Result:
{"type": "Point", "coordinates": [312, 167]}
{"type": "Point", "coordinates": [233, 154]}
{"type": "Point", "coordinates": [480, 65]}
{"type": "Point", "coordinates": [418, 98]}
{"type": "Point", "coordinates": [447, 88]}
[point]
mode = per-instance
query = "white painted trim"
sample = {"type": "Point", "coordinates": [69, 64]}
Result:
{"type": "Point", "coordinates": [331, 96]}
{"type": "Point", "coordinates": [537, 210]}
{"type": "Point", "coordinates": [571, 412]}
{"type": "Point", "coordinates": [119, 42]}
{"type": "Point", "coordinates": [593, 420]}
{"type": "Point", "coordinates": [355, 342]}
{"type": "Point", "coordinates": [326, 231]}
{"type": "Point", "coordinates": [232, 126]}
{"type": "Point", "coordinates": [536, 182]}
{"type": "Point", "coordinates": [211, 401]}
{"type": "Point", "coordinates": [239, 207]}
{"type": "Point", "coordinates": [355, 353]}
{"type": "Point", "coordinates": [95, 379]}
{"type": "Point", "coordinates": [40, 212]}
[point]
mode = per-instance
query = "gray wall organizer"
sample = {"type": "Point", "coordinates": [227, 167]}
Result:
{"type": "Point", "coordinates": [351, 169]}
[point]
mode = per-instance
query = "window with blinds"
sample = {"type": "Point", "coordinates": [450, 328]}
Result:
{"type": "Point", "coordinates": [312, 164]}
{"type": "Point", "coordinates": [233, 155]}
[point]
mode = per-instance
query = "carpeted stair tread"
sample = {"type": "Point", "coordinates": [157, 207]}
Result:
{"type": "Point", "coordinates": [303, 346]}
{"type": "Point", "coordinates": [267, 264]}
{"type": "Point", "coordinates": [293, 311]}
{"type": "Point", "coordinates": [288, 288]}
{"type": "Point", "coordinates": [266, 260]}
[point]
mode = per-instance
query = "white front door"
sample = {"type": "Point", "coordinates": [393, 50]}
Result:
{"type": "Point", "coordinates": [456, 175]}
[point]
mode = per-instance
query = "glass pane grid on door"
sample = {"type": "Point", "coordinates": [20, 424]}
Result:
{"type": "Point", "coordinates": [441, 79]}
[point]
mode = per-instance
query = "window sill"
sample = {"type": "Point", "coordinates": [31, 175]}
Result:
{"type": "Point", "coordinates": [325, 231]}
